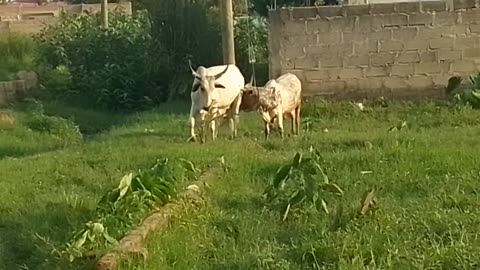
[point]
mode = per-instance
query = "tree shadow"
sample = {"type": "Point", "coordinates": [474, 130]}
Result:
{"type": "Point", "coordinates": [27, 237]}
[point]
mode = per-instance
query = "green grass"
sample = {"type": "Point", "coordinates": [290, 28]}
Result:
{"type": "Point", "coordinates": [428, 213]}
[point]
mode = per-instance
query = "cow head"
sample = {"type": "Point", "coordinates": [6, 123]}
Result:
{"type": "Point", "coordinates": [206, 83]}
{"type": "Point", "coordinates": [250, 97]}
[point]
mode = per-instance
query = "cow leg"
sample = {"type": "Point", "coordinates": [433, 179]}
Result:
{"type": "Point", "coordinates": [193, 114]}
{"type": "Point", "coordinates": [233, 114]}
{"type": "Point", "coordinates": [213, 129]}
{"type": "Point", "coordinates": [267, 129]}
{"type": "Point", "coordinates": [280, 124]}
{"type": "Point", "coordinates": [297, 118]}
{"type": "Point", "coordinates": [293, 118]}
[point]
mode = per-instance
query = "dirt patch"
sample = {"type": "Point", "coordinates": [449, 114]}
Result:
{"type": "Point", "coordinates": [7, 118]}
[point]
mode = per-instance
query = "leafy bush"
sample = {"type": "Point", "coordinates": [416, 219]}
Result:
{"type": "Point", "coordinates": [466, 93]}
{"type": "Point", "coordinates": [301, 182]}
{"type": "Point", "coordinates": [111, 67]}
{"type": "Point", "coordinates": [127, 205]}
{"type": "Point", "coordinates": [18, 52]}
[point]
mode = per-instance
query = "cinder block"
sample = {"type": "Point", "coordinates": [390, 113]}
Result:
{"type": "Point", "coordinates": [458, 30]}
{"type": "Point", "coordinates": [306, 63]}
{"type": "Point", "coordinates": [329, 61]}
{"type": "Point", "coordinates": [470, 16]}
{"type": "Point", "coordinates": [356, 61]}
{"type": "Point", "coordinates": [475, 28]}
{"type": "Point", "coordinates": [354, 37]}
{"type": "Point", "coordinates": [429, 56]}
{"type": "Point", "coordinates": [408, 7]}
{"type": "Point", "coordinates": [340, 24]}
{"type": "Point", "coordinates": [395, 20]}
{"type": "Point", "coordinates": [438, 43]}
{"type": "Point", "coordinates": [317, 26]}
{"type": "Point", "coordinates": [440, 80]}
{"type": "Point", "coordinates": [433, 6]}
{"type": "Point", "coordinates": [329, 11]}
{"type": "Point", "coordinates": [380, 59]}
{"type": "Point", "coordinates": [449, 54]}
{"type": "Point", "coordinates": [303, 12]}
{"type": "Point", "coordinates": [395, 83]}
{"type": "Point", "coordinates": [421, 19]}
{"type": "Point", "coordinates": [292, 52]}
{"type": "Point", "coordinates": [317, 50]}
{"type": "Point", "coordinates": [343, 49]}
{"type": "Point", "coordinates": [405, 34]}
{"type": "Point", "coordinates": [471, 53]}
{"type": "Point", "coordinates": [408, 57]}
{"type": "Point", "coordinates": [430, 32]}
{"type": "Point", "coordinates": [364, 24]}
{"type": "Point", "coordinates": [295, 28]}
{"type": "Point", "coordinates": [401, 70]}
{"type": "Point", "coordinates": [348, 73]}
{"type": "Point", "coordinates": [382, 8]}
{"type": "Point", "coordinates": [464, 67]}
{"type": "Point", "coordinates": [391, 46]}
{"type": "Point", "coordinates": [419, 45]}
{"type": "Point", "coordinates": [333, 86]}
{"type": "Point", "coordinates": [322, 74]}
{"type": "Point", "coordinates": [365, 84]}
{"type": "Point", "coordinates": [357, 10]}
{"type": "Point", "coordinates": [287, 64]}
{"type": "Point", "coordinates": [366, 47]}
{"type": "Point", "coordinates": [299, 41]}
{"type": "Point", "coordinates": [467, 42]}
{"type": "Point", "coordinates": [445, 18]}
{"type": "Point", "coordinates": [427, 68]}
{"type": "Point", "coordinates": [463, 4]}
{"type": "Point", "coordinates": [384, 34]}
{"type": "Point", "coordinates": [420, 82]}
{"type": "Point", "coordinates": [380, 71]}
{"type": "Point", "coordinates": [330, 38]}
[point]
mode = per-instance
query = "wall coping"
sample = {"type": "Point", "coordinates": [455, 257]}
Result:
{"type": "Point", "coordinates": [298, 13]}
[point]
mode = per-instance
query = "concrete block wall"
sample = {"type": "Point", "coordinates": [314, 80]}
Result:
{"type": "Point", "coordinates": [407, 49]}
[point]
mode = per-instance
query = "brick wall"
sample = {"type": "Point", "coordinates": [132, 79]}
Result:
{"type": "Point", "coordinates": [405, 49]}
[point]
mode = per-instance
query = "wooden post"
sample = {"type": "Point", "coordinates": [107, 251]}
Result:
{"type": "Point", "coordinates": [104, 10]}
{"type": "Point", "coordinates": [227, 32]}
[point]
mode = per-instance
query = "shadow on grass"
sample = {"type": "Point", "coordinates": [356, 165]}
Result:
{"type": "Point", "coordinates": [20, 245]}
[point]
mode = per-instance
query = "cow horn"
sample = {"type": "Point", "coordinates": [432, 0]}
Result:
{"type": "Point", "coordinates": [221, 73]}
{"type": "Point", "coordinates": [194, 73]}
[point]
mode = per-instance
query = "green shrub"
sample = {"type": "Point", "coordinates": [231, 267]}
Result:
{"type": "Point", "coordinates": [465, 93]}
{"type": "Point", "coordinates": [110, 67]}
{"type": "Point", "coordinates": [18, 52]}
{"type": "Point", "coordinates": [251, 37]}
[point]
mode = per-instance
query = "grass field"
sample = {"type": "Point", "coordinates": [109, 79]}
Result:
{"type": "Point", "coordinates": [428, 215]}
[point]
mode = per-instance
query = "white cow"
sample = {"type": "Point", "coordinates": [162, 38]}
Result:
{"type": "Point", "coordinates": [278, 98]}
{"type": "Point", "coordinates": [216, 90]}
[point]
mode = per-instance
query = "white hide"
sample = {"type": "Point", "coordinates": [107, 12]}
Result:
{"type": "Point", "coordinates": [281, 97]}
{"type": "Point", "coordinates": [221, 99]}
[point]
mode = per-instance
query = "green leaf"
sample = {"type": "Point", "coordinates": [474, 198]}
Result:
{"type": "Point", "coordinates": [285, 212]}
{"type": "Point", "coordinates": [322, 172]}
{"type": "Point", "coordinates": [324, 206]}
{"type": "Point", "coordinates": [297, 197]}
{"type": "Point", "coordinates": [125, 184]}
{"type": "Point", "coordinates": [80, 241]}
{"type": "Point", "coordinates": [297, 159]}
{"type": "Point", "coordinates": [188, 165]}
{"type": "Point", "coordinates": [310, 187]}
{"type": "Point", "coordinates": [332, 188]}
{"type": "Point", "coordinates": [281, 175]}
{"type": "Point", "coordinates": [110, 239]}
{"type": "Point", "coordinates": [476, 94]}
{"type": "Point", "coordinates": [97, 228]}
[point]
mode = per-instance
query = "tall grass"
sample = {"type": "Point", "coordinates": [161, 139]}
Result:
{"type": "Point", "coordinates": [17, 52]}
